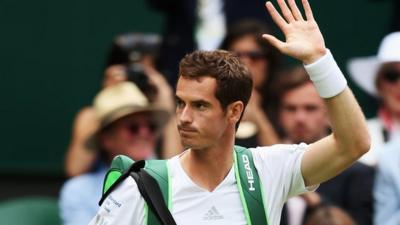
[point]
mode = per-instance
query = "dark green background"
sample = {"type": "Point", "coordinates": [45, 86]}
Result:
{"type": "Point", "coordinates": [52, 55]}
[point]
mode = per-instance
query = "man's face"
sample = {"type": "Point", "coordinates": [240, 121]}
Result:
{"type": "Point", "coordinates": [389, 86]}
{"type": "Point", "coordinates": [201, 120]}
{"type": "Point", "coordinates": [133, 136]}
{"type": "Point", "coordinates": [303, 115]}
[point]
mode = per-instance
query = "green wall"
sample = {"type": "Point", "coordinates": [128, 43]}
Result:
{"type": "Point", "coordinates": [52, 55]}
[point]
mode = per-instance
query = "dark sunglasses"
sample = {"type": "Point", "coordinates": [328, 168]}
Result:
{"type": "Point", "coordinates": [391, 76]}
{"type": "Point", "coordinates": [135, 127]}
{"type": "Point", "coordinates": [253, 55]}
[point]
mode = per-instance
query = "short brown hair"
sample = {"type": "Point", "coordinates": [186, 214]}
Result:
{"type": "Point", "coordinates": [290, 80]}
{"type": "Point", "coordinates": [329, 215]}
{"type": "Point", "coordinates": [234, 82]}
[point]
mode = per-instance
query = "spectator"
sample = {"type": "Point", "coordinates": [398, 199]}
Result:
{"type": "Point", "coordinates": [380, 77]}
{"type": "Point", "coordinates": [387, 185]}
{"type": "Point", "coordinates": [131, 58]}
{"type": "Point", "coordinates": [262, 60]}
{"type": "Point", "coordinates": [329, 215]}
{"type": "Point", "coordinates": [303, 116]}
{"type": "Point", "coordinates": [199, 24]}
{"type": "Point", "coordinates": [128, 125]}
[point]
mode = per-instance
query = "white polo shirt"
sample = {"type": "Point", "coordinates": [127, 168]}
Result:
{"type": "Point", "coordinates": [278, 167]}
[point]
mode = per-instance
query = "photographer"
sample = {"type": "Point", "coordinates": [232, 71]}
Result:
{"type": "Point", "coordinates": [131, 115]}
{"type": "Point", "coordinates": [131, 58]}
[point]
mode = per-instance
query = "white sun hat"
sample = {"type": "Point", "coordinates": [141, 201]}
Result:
{"type": "Point", "coordinates": [364, 70]}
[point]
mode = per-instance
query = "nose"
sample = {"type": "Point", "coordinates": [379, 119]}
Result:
{"type": "Point", "coordinates": [184, 115]}
{"type": "Point", "coordinates": [300, 115]}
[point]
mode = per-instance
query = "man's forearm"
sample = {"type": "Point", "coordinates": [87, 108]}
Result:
{"type": "Point", "coordinates": [348, 124]}
{"type": "Point", "coordinates": [347, 120]}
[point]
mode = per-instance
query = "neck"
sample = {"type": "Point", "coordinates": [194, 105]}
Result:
{"type": "Point", "coordinates": [208, 167]}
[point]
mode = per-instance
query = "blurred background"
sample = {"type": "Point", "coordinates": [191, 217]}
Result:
{"type": "Point", "coordinates": [52, 58]}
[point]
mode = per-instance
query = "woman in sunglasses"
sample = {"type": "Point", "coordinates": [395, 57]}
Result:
{"type": "Point", "coordinates": [379, 76]}
{"type": "Point", "coordinates": [262, 60]}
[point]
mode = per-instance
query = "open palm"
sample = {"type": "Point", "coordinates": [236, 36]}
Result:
{"type": "Point", "coordinates": [304, 40]}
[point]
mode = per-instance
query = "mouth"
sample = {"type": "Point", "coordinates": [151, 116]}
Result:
{"type": "Point", "coordinates": [186, 129]}
{"type": "Point", "coordinates": [186, 132]}
{"type": "Point", "coordinates": [189, 131]}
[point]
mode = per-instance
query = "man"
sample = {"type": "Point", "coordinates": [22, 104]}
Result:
{"type": "Point", "coordinates": [129, 125]}
{"type": "Point", "coordinates": [302, 113]}
{"type": "Point", "coordinates": [303, 117]}
{"type": "Point", "coordinates": [212, 91]}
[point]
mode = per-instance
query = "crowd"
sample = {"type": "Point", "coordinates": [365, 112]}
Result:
{"type": "Point", "coordinates": [133, 113]}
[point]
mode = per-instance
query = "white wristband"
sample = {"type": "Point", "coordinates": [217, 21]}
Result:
{"type": "Point", "coordinates": [326, 76]}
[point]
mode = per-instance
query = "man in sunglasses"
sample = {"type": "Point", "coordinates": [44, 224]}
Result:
{"type": "Point", "coordinates": [379, 76]}
{"type": "Point", "coordinates": [129, 125]}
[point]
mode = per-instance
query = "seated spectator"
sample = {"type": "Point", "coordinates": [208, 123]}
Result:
{"type": "Point", "coordinates": [380, 77]}
{"type": "Point", "coordinates": [128, 125]}
{"type": "Point", "coordinates": [304, 118]}
{"type": "Point", "coordinates": [262, 60]}
{"type": "Point", "coordinates": [132, 59]}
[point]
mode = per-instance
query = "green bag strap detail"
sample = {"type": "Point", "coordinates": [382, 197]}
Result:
{"type": "Point", "coordinates": [159, 170]}
{"type": "Point", "coordinates": [119, 165]}
{"type": "Point", "coordinates": [249, 185]}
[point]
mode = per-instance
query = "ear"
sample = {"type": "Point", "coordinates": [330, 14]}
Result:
{"type": "Point", "coordinates": [234, 111]}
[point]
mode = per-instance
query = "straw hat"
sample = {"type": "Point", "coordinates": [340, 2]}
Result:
{"type": "Point", "coordinates": [364, 70]}
{"type": "Point", "coordinates": [121, 100]}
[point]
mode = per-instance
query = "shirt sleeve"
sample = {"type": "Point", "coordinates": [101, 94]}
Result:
{"type": "Point", "coordinates": [279, 167]}
{"type": "Point", "coordinates": [123, 206]}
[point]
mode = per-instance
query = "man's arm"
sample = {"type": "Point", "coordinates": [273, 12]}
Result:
{"type": "Point", "coordinates": [350, 139]}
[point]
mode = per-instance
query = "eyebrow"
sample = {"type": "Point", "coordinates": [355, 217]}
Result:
{"type": "Point", "coordinates": [201, 102]}
{"type": "Point", "coordinates": [206, 103]}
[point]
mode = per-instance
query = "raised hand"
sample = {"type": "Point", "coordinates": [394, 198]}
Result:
{"type": "Point", "coordinates": [164, 96]}
{"type": "Point", "coordinates": [304, 40]}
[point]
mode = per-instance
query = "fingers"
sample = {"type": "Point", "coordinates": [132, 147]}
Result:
{"type": "Point", "coordinates": [295, 10]}
{"type": "Point", "coordinates": [307, 10]}
{"type": "Point", "coordinates": [285, 11]}
{"type": "Point", "coordinates": [274, 42]}
{"type": "Point", "coordinates": [279, 21]}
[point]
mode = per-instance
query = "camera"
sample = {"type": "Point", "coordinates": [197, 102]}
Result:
{"type": "Point", "coordinates": [136, 74]}
{"type": "Point", "coordinates": [130, 50]}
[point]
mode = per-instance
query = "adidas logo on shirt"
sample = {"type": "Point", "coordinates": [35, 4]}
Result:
{"type": "Point", "coordinates": [213, 214]}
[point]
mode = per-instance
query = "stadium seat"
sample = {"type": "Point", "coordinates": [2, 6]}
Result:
{"type": "Point", "coordinates": [29, 211]}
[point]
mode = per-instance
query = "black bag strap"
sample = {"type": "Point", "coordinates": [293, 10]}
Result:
{"type": "Point", "coordinates": [150, 190]}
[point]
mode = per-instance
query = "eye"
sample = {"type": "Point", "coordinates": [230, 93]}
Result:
{"type": "Point", "coordinates": [199, 105]}
{"type": "Point", "coordinates": [289, 108]}
{"type": "Point", "coordinates": [179, 103]}
{"type": "Point", "coordinates": [311, 108]}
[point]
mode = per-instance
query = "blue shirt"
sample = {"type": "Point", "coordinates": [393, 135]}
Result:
{"type": "Point", "coordinates": [79, 197]}
{"type": "Point", "coordinates": [387, 185]}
